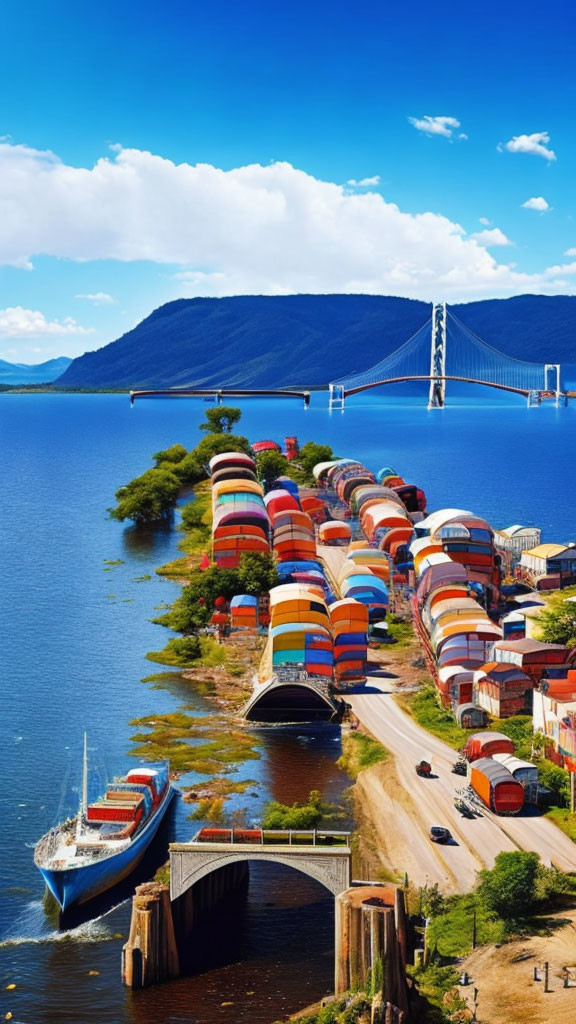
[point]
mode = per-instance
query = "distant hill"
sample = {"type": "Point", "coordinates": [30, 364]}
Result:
{"type": "Point", "coordinates": [41, 373]}
{"type": "Point", "coordinates": [259, 341]}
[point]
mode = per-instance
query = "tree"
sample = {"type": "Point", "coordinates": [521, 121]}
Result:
{"type": "Point", "coordinates": [271, 465]}
{"type": "Point", "coordinates": [148, 498]}
{"type": "Point", "coordinates": [311, 454]}
{"type": "Point", "coordinates": [194, 607]}
{"type": "Point", "coordinates": [221, 419]}
{"type": "Point", "coordinates": [557, 623]}
{"type": "Point", "coordinates": [174, 454]}
{"type": "Point", "coordinates": [257, 573]}
{"type": "Point", "coordinates": [509, 889]}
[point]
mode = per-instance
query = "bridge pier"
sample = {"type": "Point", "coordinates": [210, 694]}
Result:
{"type": "Point", "coordinates": [337, 398]}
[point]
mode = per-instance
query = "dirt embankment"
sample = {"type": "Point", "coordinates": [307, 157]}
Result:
{"type": "Point", "coordinates": [504, 977]}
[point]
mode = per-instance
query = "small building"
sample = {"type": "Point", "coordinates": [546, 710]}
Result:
{"type": "Point", "coordinates": [469, 716]}
{"type": "Point", "coordinates": [549, 566]}
{"type": "Point", "coordinates": [524, 771]}
{"type": "Point", "coordinates": [502, 690]}
{"type": "Point", "coordinates": [535, 658]}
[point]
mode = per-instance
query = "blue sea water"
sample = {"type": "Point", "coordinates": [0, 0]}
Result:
{"type": "Point", "coordinates": [77, 592]}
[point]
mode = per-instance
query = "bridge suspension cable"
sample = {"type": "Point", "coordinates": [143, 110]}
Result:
{"type": "Point", "coordinates": [445, 349]}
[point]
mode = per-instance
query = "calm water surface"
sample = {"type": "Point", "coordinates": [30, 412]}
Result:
{"type": "Point", "coordinates": [75, 631]}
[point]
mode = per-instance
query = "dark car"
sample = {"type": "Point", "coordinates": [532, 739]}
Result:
{"type": "Point", "coordinates": [439, 834]}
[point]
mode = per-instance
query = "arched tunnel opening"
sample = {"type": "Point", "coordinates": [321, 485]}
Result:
{"type": "Point", "coordinates": [291, 702]}
{"type": "Point", "coordinates": [266, 946]}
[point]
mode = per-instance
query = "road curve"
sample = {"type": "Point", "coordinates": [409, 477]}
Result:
{"type": "Point", "coordinates": [479, 839]}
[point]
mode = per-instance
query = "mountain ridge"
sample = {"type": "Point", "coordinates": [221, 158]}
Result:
{"type": "Point", "coordinates": [283, 341]}
{"type": "Point", "coordinates": [37, 373]}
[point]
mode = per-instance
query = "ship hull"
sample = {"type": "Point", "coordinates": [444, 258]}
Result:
{"type": "Point", "coordinates": [73, 886]}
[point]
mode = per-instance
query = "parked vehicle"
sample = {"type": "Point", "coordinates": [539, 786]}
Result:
{"type": "Point", "coordinates": [439, 834]}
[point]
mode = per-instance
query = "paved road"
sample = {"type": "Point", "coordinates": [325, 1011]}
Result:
{"type": "Point", "coordinates": [479, 839]}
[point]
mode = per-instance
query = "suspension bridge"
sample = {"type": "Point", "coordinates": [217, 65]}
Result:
{"type": "Point", "coordinates": [444, 349]}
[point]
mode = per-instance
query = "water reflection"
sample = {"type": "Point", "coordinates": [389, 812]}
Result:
{"type": "Point", "coordinates": [145, 541]}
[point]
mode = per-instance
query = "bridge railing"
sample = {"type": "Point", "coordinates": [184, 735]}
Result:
{"type": "Point", "coordinates": [272, 837]}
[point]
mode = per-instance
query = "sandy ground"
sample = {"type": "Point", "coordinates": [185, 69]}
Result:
{"type": "Point", "coordinates": [507, 993]}
{"type": "Point", "coordinates": [406, 807]}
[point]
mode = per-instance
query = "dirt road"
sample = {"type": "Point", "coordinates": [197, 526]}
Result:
{"type": "Point", "coordinates": [431, 802]}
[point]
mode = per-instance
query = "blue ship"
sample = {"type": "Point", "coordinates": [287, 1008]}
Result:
{"type": "Point", "coordinates": [92, 852]}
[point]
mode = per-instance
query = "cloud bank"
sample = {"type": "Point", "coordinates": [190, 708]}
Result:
{"type": "Point", "coordinates": [536, 203]}
{"type": "Point", "coordinates": [17, 322]}
{"type": "Point", "coordinates": [444, 126]}
{"type": "Point", "coordinates": [257, 229]}
{"type": "Point", "coordinates": [534, 145]}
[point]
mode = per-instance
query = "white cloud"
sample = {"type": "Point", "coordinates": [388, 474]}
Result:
{"type": "Point", "coordinates": [260, 230]}
{"type": "Point", "coordinates": [536, 203]}
{"type": "Point", "coordinates": [485, 221]}
{"type": "Point", "coordinates": [570, 252]}
{"type": "Point", "coordinates": [364, 182]}
{"type": "Point", "coordinates": [17, 322]}
{"type": "Point", "coordinates": [491, 237]}
{"type": "Point", "coordinates": [535, 144]}
{"type": "Point", "coordinates": [444, 126]}
{"type": "Point", "coordinates": [98, 298]}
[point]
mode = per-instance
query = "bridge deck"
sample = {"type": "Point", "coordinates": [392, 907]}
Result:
{"type": "Point", "coordinates": [318, 839]}
{"type": "Point", "coordinates": [219, 393]}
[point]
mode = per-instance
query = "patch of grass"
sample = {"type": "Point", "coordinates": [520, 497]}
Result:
{"type": "Point", "coordinates": [179, 568]}
{"type": "Point", "coordinates": [111, 562]}
{"type": "Point", "coordinates": [437, 985]}
{"type": "Point", "coordinates": [564, 819]}
{"type": "Point", "coordinates": [360, 751]}
{"type": "Point", "coordinates": [402, 633]}
{"type": "Point", "coordinates": [308, 815]}
{"type": "Point", "coordinates": [209, 809]}
{"type": "Point", "coordinates": [424, 706]}
{"type": "Point", "coordinates": [450, 933]}
{"type": "Point", "coordinates": [162, 875]}
{"type": "Point", "coordinates": [204, 745]}
{"type": "Point", "coordinates": [190, 652]}
{"type": "Point", "coordinates": [142, 579]}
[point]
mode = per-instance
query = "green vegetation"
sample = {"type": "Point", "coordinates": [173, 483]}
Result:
{"type": "Point", "coordinates": [437, 985]}
{"type": "Point", "coordinates": [206, 745]}
{"type": "Point", "coordinates": [209, 809]}
{"type": "Point", "coordinates": [148, 498]}
{"type": "Point", "coordinates": [151, 497]}
{"type": "Point", "coordinates": [451, 929]}
{"type": "Point", "coordinates": [190, 652]}
{"type": "Point", "coordinates": [557, 622]}
{"type": "Point", "coordinates": [401, 633]}
{"type": "Point", "coordinates": [255, 575]}
{"type": "Point", "coordinates": [308, 815]}
{"type": "Point", "coordinates": [564, 819]}
{"type": "Point", "coordinates": [360, 751]}
{"type": "Point", "coordinates": [273, 464]}
{"type": "Point", "coordinates": [345, 1010]}
{"type": "Point", "coordinates": [162, 876]}
{"type": "Point", "coordinates": [508, 890]}
{"type": "Point", "coordinates": [424, 707]}
{"type": "Point", "coordinates": [221, 419]}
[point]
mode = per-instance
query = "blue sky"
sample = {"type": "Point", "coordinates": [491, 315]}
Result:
{"type": "Point", "coordinates": [307, 97]}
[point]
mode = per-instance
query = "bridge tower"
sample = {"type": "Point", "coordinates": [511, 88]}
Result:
{"type": "Point", "coordinates": [556, 383]}
{"type": "Point", "coordinates": [337, 398]}
{"type": "Point", "coordinates": [437, 394]}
